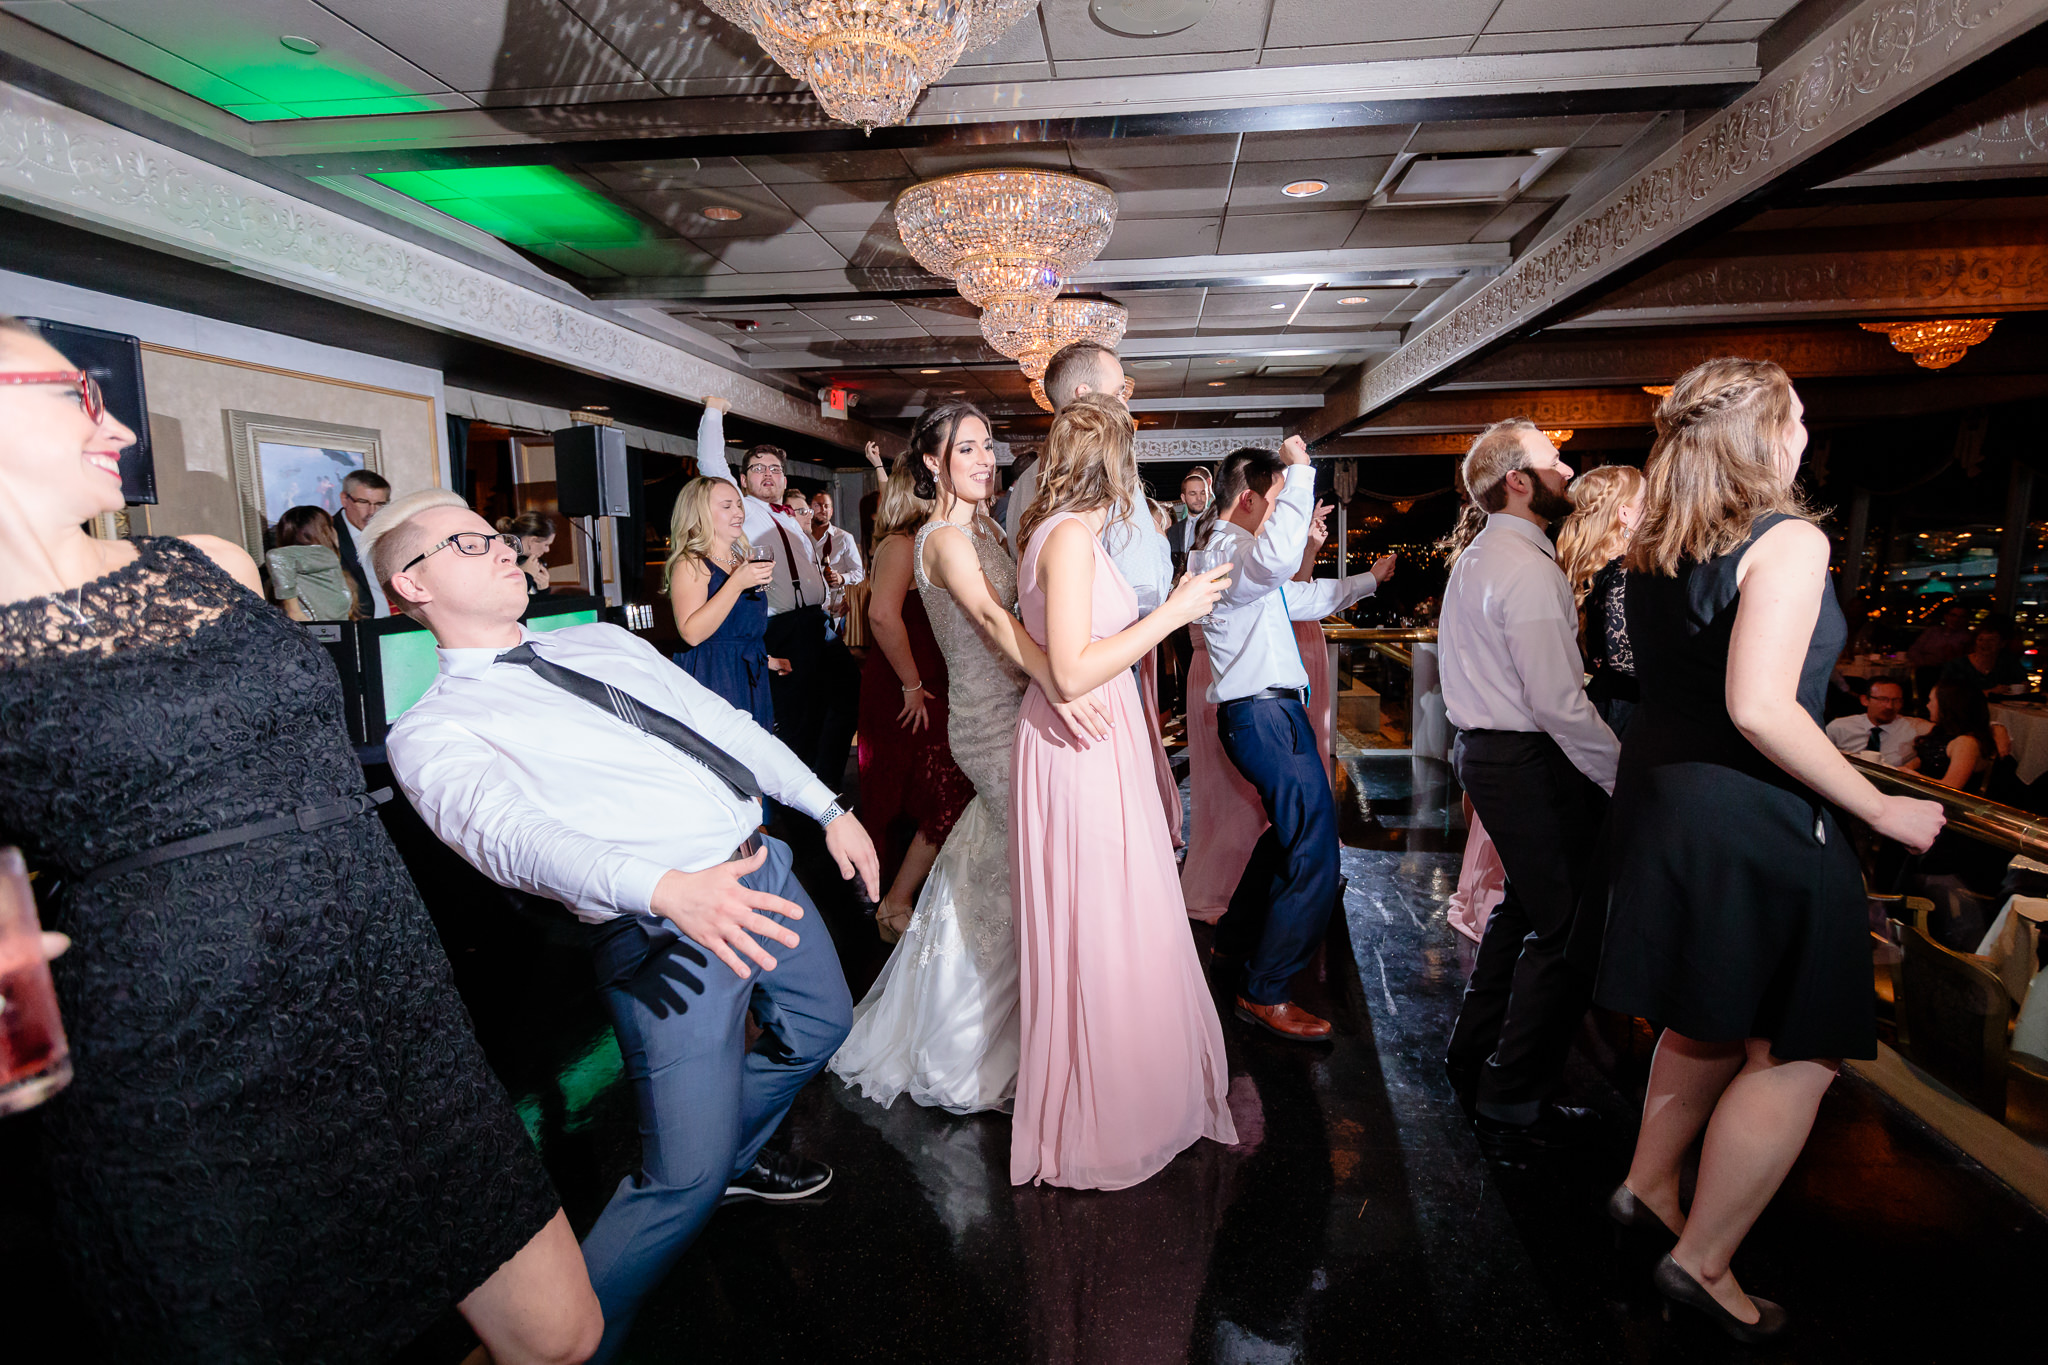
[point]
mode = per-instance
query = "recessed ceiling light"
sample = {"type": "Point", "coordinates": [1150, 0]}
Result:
{"type": "Point", "coordinates": [597, 407]}
{"type": "Point", "coordinates": [1354, 300]}
{"type": "Point", "coordinates": [1215, 383]}
{"type": "Point", "coordinates": [927, 371]}
{"type": "Point", "coordinates": [860, 317]}
{"type": "Point", "coordinates": [1302, 189]}
{"type": "Point", "coordinates": [292, 42]}
{"type": "Point", "coordinates": [1276, 306]}
{"type": "Point", "coordinates": [960, 392]}
{"type": "Point", "coordinates": [1150, 365]}
{"type": "Point", "coordinates": [1226, 361]}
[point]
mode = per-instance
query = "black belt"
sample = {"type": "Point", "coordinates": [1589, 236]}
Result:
{"type": "Point", "coordinates": [1299, 694]}
{"type": "Point", "coordinates": [304, 820]}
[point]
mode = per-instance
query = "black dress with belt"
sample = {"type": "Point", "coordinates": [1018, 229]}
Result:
{"type": "Point", "coordinates": [283, 1142]}
{"type": "Point", "coordinates": [1736, 905]}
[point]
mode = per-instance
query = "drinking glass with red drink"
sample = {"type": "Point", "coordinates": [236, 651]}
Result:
{"type": "Point", "coordinates": [35, 1063]}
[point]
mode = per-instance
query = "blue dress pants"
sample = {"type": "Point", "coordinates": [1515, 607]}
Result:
{"type": "Point", "coordinates": [706, 1102]}
{"type": "Point", "coordinates": [1283, 905]}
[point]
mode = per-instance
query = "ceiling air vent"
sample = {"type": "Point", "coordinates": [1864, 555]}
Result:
{"type": "Point", "coordinates": [1432, 180]}
{"type": "Point", "coordinates": [1242, 416]}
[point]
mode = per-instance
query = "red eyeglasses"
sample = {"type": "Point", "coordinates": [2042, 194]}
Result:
{"type": "Point", "coordinates": [89, 396]}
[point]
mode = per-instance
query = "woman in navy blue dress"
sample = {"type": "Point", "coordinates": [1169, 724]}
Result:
{"type": "Point", "coordinates": [720, 598]}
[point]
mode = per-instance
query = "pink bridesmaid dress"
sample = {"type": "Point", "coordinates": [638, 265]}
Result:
{"type": "Point", "coordinates": [1122, 1060]}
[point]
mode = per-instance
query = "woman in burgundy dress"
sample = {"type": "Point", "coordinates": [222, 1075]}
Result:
{"type": "Point", "coordinates": [911, 791]}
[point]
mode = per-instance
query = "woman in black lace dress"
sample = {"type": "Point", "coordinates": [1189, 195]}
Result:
{"type": "Point", "coordinates": [1606, 503]}
{"type": "Point", "coordinates": [282, 1142]}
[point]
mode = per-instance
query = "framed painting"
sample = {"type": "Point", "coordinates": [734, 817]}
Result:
{"type": "Point", "coordinates": [286, 462]}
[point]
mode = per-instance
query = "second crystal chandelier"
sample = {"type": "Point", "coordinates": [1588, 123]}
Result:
{"type": "Point", "coordinates": [868, 60]}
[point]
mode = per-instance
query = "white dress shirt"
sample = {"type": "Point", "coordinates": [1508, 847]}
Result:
{"type": "Point", "coordinates": [1509, 646]}
{"type": "Point", "coordinates": [1250, 636]}
{"type": "Point", "coordinates": [781, 534]}
{"type": "Point", "coordinates": [1851, 735]}
{"type": "Point", "coordinates": [545, 792]}
{"type": "Point", "coordinates": [1141, 554]}
{"type": "Point", "coordinates": [837, 549]}
{"type": "Point", "coordinates": [379, 607]}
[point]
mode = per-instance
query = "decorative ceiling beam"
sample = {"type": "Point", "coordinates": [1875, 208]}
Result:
{"type": "Point", "coordinates": [1876, 56]}
{"type": "Point", "coordinates": [1900, 270]}
{"type": "Point", "coordinates": [1562, 360]}
{"type": "Point", "coordinates": [1464, 412]}
{"type": "Point", "coordinates": [894, 355]}
{"type": "Point", "coordinates": [1176, 104]}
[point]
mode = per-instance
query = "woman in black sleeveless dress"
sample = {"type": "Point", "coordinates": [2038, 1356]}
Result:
{"type": "Point", "coordinates": [1736, 915]}
{"type": "Point", "coordinates": [282, 1142]}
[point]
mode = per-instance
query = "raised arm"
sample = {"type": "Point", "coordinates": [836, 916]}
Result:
{"type": "Point", "coordinates": [1275, 553]}
{"type": "Point", "coordinates": [1066, 573]}
{"type": "Point", "coordinates": [1781, 579]}
{"type": "Point", "coordinates": [711, 461]}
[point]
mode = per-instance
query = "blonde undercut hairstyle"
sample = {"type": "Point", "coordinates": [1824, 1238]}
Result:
{"type": "Point", "coordinates": [390, 539]}
{"type": "Point", "coordinates": [1494, 454]}
{"type": "Point", "coordinates": [689, 525]}
{"type": "Point", "coordinates": [1593, 534]}
{"type": "Point", "coordinates": [1714, 468]}
{"type": "Point", "coordinates": [1088, 463]}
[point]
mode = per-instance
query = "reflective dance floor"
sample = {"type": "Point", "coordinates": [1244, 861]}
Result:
{"type": "Point", "coordinates": [1355, 1222]}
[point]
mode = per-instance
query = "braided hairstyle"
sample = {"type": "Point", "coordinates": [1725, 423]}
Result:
{"type": "Point", "coordinates": [1471, 520]}
{"type": "Point", "coordinates": [932, 439]}
{"type": "Point", "coordinates": [1722, 434]}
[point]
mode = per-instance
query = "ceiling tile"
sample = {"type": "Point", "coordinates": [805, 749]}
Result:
{"type": "Point", "coordinates": [1163, 237]}
{"type": "Point", "coordinates": [1615, 130]}
{"type": "Point", "coordinates": [1298, 23]}
{"type": "Point", "coordinates": [1565, 173]}
{"type": "Point", "coordinates": [1165, 191]}
{"type": "Point", "coordinates": [819, 167]}
{"type": "Point", "coordinates": [1418, 227]}
{"type": "Point", "coordinates": [1320, 143]}
{"type": "Point", "coordinates": [1023, 42]}
{"type": "Point", "coordinates": [842, 205]}
{"type": "Point", "coordinates": [376, 104]}
{"type": "Point", "coordinates": [1590, 17]}
{"type": "Point", "coordinates": [1237, 26]}
{"type": "Point", "coordinates": [677, 42]}
{"type": "Point", "coordinates": [1328, 308]}
{"type": "Point", "coordinates": [1207, 149]}
{"type": "Point", "coordinates": [1738, 31]}
{"type": "Point", "coordinates": [1348, 53]}
{"type": "Point", "coordinates": [800, 249]}
{"type": "Point", "coordinates": [1512, 219]}
{"type": "Point", "coordinates": [876, 249]}
{"type": "Point", "coordinates": [567, 94]}
{"type": "Point", "coordinates": [1163, 64]}
{"type": "Point", "coordinates": [881, 316]}
{"type": "Point", "coordinates": [682, 173]}
{"type": "Point", "coordinates": [1755, 9]}
{"type": "Point", "coordinates": [1008, 74]}
{"type": "Point", "coordinates": [660, 257]}
{"type": "Point", "coordinates": [1576, 40]}
{"type": "Point", "coordinates": [96, 34]}
{"type": "Point", "coordinates": [1154, 303]}
{"type": "Point", "coordinates": [761, 213]}
{"type": "Point", "coordinates": [1500, 134]}
{"type": "Point", "coordinates": [1257, 305]}
{"type": "Point", "coordinates": [1246, 233]}
{"type": "Point", "coordinates": [926, 162]}
{"type": "Point", "coordinates": [572, 260]}
{"type": "Point", "coordinates": [1351, 180]}
{"type": "Point", "coordinates": [486, 44]}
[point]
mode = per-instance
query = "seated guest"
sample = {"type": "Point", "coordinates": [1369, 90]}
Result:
{"type": "Point", "coordinates": [536, 533]}
{"type": "Point", "coordinates": [659, 854]}
{"type": "Point", "coordinates": [1957, 748]}
{"type": "Point", "coordinates": [1606, 503]}
{"type": "Point", "coordinates": [1883, 726]}
{"type": "Point", "coordinates": [281, 1142]}
{"type": "Point", "coordinates": [719, 597]}
{"type": "Point", "coordinates": [306, 573]}
{"type": "Point", "coordinates": [1988, 667]}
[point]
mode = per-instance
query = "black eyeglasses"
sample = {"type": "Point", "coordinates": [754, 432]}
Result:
{"type": "Point", "coordinates": [467, 543]}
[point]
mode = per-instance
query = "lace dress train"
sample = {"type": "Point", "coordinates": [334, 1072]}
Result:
{"type": "Point", "coordinates": [940, 1022]}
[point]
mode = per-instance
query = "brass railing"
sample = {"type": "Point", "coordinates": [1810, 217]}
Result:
{"type": "Point", "coordinates": [1388, 643]}
{"type": "Point", "coordinates": [2006, 826]}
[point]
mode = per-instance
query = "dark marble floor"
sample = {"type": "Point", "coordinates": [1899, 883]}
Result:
{"type": "Point", "coordinates": [1355, 1220]}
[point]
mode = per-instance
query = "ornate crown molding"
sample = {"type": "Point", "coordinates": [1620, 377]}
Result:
{"type": "Point", "coordinates": [1876, 55]}
{"type": "Point", "coordinates": [60, 163]}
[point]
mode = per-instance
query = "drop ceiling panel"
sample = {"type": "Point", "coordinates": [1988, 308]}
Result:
{"type": "Point", "coordinates": [927, 162]}
{"type": "Point", "coordinates": [876, 249]}
{"type": "Point", "coordinates": [798, 250]}
{"type": "Point", "coordinates": [684, 173]}
{"type": "Point", "coordinates": [1522, 16]}
{"type": "Point", "coordinates": [1419, 227]}
{"type": "Point", "coordinates": [841, 206]}
{"type": "Point", "coordinates": [1501, 134]}
{"type": "Point", "coordinates": [1256, 187]}
{"type": "Point", "coordinates": [1163, 237]}
{"type": "Point", "coordinates": [478, 45]}
{"type": "Point", "coordinates": [567, 94]}
{"type": "Point", "coordinates": [1323, 143]}
{"type": "Point", "coordinates": [761, 213]}
{"type": "Point", "coordinates": [821, 167]}
{"type": "Point", "coordinates": [1740, 31]}
{"type": "Point", "coordinates": [1251, 304]}
{"type": "Point", "coordinates": [1512, 219]}
{"type": "Point", "coordinates": [655, 257]}
{"type": "Point", "coordinates": [89, 31]}
{"type": "Point", "coordinates": [1347, 53]}
{"type": "Point", "coordinates": [1160, 303]}
{"type": "Point", "coordinates": [1166, 191]}
{"type": "Point", "coordinates": [881, 316]}
{"type": "Point", "coordinates": [675, 42]}
{"type": "Point", "coordinates": [1299, 23]}
{"type": "Point", "coordinates": [1231, 26]}
{"type": "Point", "coordinates": [1246, 233]}
{"type": "Point", "coordinates": [1094, 154]}
{"type": "Point", "coordinates": [1574, 40]}
{"type": "Point", "coordinates": [1755, 9]}
{"type": "Point", "coordinates": [1162, 64]}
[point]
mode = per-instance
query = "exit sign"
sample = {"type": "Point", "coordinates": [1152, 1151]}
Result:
{"type": "Point", "coordinates": [832, 403]}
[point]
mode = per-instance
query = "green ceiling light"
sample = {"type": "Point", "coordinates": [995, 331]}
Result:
{"type": "Point", "coordinates": [525, 205]}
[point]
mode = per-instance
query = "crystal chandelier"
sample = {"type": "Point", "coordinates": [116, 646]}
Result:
{"type": "Point", "coordinates": [1005, 237]}
{"type": "Point", "coordinates": [1032, 333]}
{"type": "Point", "coordinates": [868, 60]}
{"type": "Point", "coordinates": [1935, 345]}
{"type": "Point", "coordinates": [1558, 435]}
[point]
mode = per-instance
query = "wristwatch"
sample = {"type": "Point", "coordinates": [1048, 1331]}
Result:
{"type": "Point", "coordinates": [831, 813]}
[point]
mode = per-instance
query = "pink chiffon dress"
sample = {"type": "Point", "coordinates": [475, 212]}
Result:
{"type": "Point", "coordinates": [1122, 1061]}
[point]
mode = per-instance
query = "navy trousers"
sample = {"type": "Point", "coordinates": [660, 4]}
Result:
{"type": "Point", "coordinates": [706, 1102]}
{"type": "Point", "coordinates": [1282, 909]}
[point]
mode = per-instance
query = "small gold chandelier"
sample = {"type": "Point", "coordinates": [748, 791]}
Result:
{"type": "Point", "coordinates": [1032, 333]}
{"type": "Point", "coordinates": [1558, 435]}
{"type": "Point", "coordinates": [868, 60]}
{"type": "Point", "coordinates": [1005, 237]}
{"type": "Point", "coordinates": [1935, 345]}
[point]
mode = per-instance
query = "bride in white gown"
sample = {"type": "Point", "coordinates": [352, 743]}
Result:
{"type": "Point", "coordinates": [940, 1022]}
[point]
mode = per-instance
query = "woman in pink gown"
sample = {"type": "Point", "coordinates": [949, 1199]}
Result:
{"type": "Point", "coordinates": [1122, 1061]}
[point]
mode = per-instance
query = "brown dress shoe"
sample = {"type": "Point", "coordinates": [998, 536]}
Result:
{"type": "Point", "coordinates": [1284, 1020]}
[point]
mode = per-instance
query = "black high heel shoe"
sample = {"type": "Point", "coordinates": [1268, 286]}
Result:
{"type": "Point", "coordinates": [1680, 1288]}
{"type": "Point", "coordinates": [1632, 1216]}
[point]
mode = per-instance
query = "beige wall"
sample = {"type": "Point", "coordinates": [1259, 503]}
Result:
{"type": "Point", "coordinates": [190, 396]}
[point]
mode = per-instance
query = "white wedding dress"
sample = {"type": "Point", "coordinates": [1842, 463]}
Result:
{"type": "Point", "coordinates": [940, 1023]}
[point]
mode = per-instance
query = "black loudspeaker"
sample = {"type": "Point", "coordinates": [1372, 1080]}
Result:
{"type": "Point", "coordinates": [115, 363]}
{"type": "Point", "coordinates": [591, 477]}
